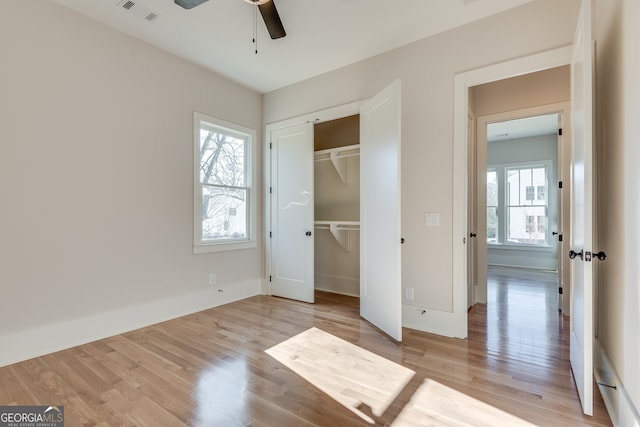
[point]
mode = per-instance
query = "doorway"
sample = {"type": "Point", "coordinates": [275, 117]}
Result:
{"type": "Point", "coordinates": [337, 205]}
{"type": "Point", "coordinates": [513, 137]}
{"type": "Point", "coordinates": [519, 193]}
{"type": "Point", "coordinates": [289, 216]}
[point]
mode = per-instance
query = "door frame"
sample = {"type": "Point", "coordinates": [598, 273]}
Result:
{"type": "Point", "coordinates": [457, 319]}
{"type": "Point", "coordinates": [563, 109]}
{"type": "Point", "coordinates": [333, 113]}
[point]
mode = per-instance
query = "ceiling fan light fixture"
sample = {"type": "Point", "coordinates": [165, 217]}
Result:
{"type": "Point", "coordinates": [257, 2]}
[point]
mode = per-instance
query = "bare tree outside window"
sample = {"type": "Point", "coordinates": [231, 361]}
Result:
{"type": "Point", "coordinates": [223, 181]}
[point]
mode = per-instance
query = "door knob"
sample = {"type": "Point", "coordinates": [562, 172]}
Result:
{"type": "Point", "coordinates": [573, 254]}
{"type": "Point", "coordinates": [600, 255]}
{"type": "Point", "coordinates": [555, 233]}
{"type": "Point", "coordinates": [308, 233]}
{"type": "Point", "coordinates": [472, 235]}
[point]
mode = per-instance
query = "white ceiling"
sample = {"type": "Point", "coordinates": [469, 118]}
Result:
{"type": "Point", "coordinates": [322, 35]}
{"type": "Point", "coordinates": [521, 128]}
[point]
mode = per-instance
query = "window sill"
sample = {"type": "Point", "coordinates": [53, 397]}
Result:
{"type": "Point", "coordinates": [204, 248]}
{"type": "Point", "coordinates": [519, 247]}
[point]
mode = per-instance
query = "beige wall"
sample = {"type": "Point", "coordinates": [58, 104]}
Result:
{"type": "Point", "coordinates": [427, 70]}
{"type": "Point", "coordinates": [531, 90]}
{"type": "Point", "coordinates": [96, 169]}
{"type": "Point", "coordinates": [617, 131]}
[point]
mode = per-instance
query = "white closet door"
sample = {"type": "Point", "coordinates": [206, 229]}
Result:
{"type": "Point", "coordinates": [380, 275]}
{"type": "Point", "coordinates": [292, 212]}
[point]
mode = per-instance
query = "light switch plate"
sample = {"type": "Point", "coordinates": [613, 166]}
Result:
{"type": "Point", "coordinates": [432, 218]}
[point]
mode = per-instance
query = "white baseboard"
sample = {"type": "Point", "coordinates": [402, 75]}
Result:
{"type": "Point", "coordinates": [338, 293]}
{"type": "Point", "coordinates": [337, 284]}
{"type": "Point", "coordinates": [619, 405]}
{"type": "Point", "coordinates": [433, 321]}
{"type": "Point", "coordinates": [28, 344]}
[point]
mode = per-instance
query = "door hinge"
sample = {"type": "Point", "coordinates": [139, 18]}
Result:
{"type": "Point", "coordinates": [270, 234]}
{"type": "Point", "coordinates": [560, 290]}
{"type": "Point", "coordinates": [270, 146]}
{"type": "Point", "coordinates": [560, 131]}
{"type": "Point", "coordinates": [559, 184]}
{"type": "Point", "coordinates": [269, 278]}
{"type": "Point", "coordinates": [270, 190]}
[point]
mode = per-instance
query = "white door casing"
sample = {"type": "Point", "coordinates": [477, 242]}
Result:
{"type": "Point", "coordinates": [472, 243]}
{"type": "Point", "coordinates": [292, 262]}
{"type": "Point", "coordinates": [561, 254]}
{"type": "Point", "coordinates": [581, 206]}
{"type": "Point", "coordinates": [380, 266]}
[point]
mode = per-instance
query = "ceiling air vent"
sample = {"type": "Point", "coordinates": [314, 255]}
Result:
{"type": "Point", "coordinates": [138, 9]}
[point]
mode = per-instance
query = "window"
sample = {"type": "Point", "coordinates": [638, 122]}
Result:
{"type": "Point", "coordinates": [223, 197]}
{"type": "Point", "coordinates": [518, 195]}
{"type": "Point", "coordinates": [492, 206]}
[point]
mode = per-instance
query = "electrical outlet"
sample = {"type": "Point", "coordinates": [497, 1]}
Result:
{"type": "Point", "coordinates": [212, 279]}
{"type": "Point", "coordinates": [408, 294]}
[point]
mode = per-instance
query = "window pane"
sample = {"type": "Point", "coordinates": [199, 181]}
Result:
{"type": "Point", "coordinates": [527, 225]}
{"type": "Point", "coordinates": [531, 192]}
{"type": "Point", "coordinates": [492, 188]}
{"type": "Point", "coordinates": [525, 186]}
{"type": "Point", "coordinates": [513, 187]}
{"type": "Point", "coordinates": [492, 225]}
{"type": "Point", "coordinates": [222, 158]}
{"type": "Point", "coordinates": [224, 214]}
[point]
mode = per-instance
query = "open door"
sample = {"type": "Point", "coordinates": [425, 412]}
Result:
{"type": "Point", "coordinates": [380, 275]}
{"type": "Point", "coordinates": [582, 202]}
{"type": "Point", "coordinates": [292, 260]}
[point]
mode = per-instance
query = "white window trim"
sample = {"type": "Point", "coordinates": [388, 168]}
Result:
{"type": "Point", "coordinates": [502, 207]}
{"type": "Point", "coordinates": [199, 246]}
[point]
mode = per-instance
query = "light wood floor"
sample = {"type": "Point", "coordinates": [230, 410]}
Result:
{"type": "Point", "coordinates": [211, 369]}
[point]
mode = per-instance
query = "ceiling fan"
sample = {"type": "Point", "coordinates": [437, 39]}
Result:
{"type": "Point", "coordinates": [267, 9]}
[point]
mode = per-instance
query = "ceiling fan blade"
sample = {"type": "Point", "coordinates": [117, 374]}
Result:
{"type": "Point", "coordinates": [188, 4]}
{"type": "Point", "coordinates": [272, 19]}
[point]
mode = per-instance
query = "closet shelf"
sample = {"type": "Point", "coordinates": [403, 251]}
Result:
{"type": "Point", "coordinates": [339, 157]}
{"type": "Point", "coordinates": [339, 230]}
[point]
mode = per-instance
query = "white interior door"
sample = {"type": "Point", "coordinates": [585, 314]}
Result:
{"type": "Point", "coordinates": [581, 315]}
{"type": "Point", "coordinates": [292, 212]}
{"type": "Point", "coordinates": [380, 275]}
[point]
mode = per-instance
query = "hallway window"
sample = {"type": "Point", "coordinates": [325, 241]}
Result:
{"type": "Point", "coordinates": [492, 206]}
{"type": "Point", "coordinates": [517, 205]}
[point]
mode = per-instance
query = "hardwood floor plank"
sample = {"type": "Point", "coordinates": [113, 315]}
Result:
{"type": "Point", "coordinates": [211, 369]}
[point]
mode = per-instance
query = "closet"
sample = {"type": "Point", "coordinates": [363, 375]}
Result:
{"type": "Point", "coordinates": [337, 205]}
{"type": "Point", "coordinates": [332, 217]}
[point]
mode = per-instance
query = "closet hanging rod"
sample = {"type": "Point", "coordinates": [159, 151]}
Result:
{"type": "Point", "coordinates": [322, 157]}
{"type": "Point", "coordinates": [344, 151]}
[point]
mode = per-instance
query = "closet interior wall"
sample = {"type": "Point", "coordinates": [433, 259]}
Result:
{"type": "Point", "coordinates": [337, 205]}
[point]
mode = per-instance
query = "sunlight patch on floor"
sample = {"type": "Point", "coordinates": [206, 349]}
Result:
{"type": "Point", "coordinates": [351, 375]}
{"type": "Point", "coordinates": [359, 379]}
{"type": "Point", "coordinates": [434, 404]}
